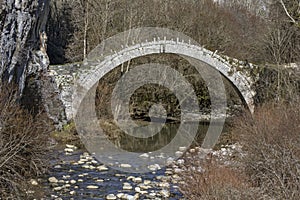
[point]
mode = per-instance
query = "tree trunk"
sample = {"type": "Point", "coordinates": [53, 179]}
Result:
{"type": "Point", "coordinates": [23, 57]}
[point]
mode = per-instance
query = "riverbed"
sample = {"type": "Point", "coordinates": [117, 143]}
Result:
{"type": "Point", "coordinates": [76, 174]}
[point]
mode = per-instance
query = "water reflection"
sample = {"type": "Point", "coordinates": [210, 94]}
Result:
{"type": "Point", "coordinates": [159, 140]}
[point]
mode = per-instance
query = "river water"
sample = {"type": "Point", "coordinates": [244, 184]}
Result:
{"type": "Point", "coordinates": [80, 176]}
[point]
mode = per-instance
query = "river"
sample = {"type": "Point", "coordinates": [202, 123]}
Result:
{"type": "Point", "coordinates": [76, 174]}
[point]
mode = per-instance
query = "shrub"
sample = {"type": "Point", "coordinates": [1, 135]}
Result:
{"type": "Point", "coordinates": [272, 144]}
{"type": "Point", "coordinates": [215, 181]}
{"type": "Point", "coordinates": [269, 167]}
{"type": "Point", "coordinates": [23, 145]}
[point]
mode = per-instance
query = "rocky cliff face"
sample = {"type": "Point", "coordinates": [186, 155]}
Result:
{"type": "Point", "coordinates": [19, 39]}
{"type": "Point", "coordinates": [23, 56]}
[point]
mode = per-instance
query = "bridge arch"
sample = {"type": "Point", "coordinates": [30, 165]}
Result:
{"type": "Point", "coordinates": [139, 42]}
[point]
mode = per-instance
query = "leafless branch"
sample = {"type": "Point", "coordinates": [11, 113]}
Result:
{"type": "Point", "coordinates": [287, 12]}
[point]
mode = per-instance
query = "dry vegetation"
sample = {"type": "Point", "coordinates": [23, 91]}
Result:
{"type": "Point", "coordinates": [23, 146]}
{"type": "Point", "coordinates": [270, 138]}
{"type": "Point", "coordinates": [272, 143]}
{"type": "Point", "coordinates": [216, 182]}
{"type": "Point", "coordinates": [240, 29]}
{"type": "Point", "coordinates": [270, 168]}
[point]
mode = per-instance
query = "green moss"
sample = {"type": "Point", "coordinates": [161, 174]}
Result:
{"type": "Point", "coordinates": [67, 135]}
{"type": "Point", "coordinates": [69, 127]}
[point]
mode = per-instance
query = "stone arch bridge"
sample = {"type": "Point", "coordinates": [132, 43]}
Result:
{"type": "Point", "coordinates": [240, 74]}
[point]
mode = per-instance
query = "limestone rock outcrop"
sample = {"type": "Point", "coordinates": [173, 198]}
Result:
{"type": "Point", "coordinates": [23, 57]}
